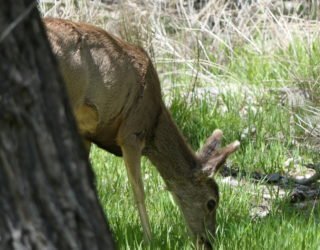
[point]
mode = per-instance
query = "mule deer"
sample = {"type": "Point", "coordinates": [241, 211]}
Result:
{"type": "Point", "coordinates": [115, 94]}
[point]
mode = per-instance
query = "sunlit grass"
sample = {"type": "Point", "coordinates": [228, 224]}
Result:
{"type": "Point", "coordinates": [285, 228]}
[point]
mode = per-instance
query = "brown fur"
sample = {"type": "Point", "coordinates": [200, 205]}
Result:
{"type": "Point", "coordinates": [115, 94]}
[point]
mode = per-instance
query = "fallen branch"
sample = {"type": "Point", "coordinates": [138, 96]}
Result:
{"type": "Point", "coordinates": [302, 189]}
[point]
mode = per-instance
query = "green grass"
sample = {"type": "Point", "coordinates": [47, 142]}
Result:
{"type": "Point", "coordinates": [296, 64]}
{"type": "Point", "coordinates": [117, 201]}
{"type": "Point", "coordinates": [268, 138]}
{"type": "Point", "coordinates": [285, 228]}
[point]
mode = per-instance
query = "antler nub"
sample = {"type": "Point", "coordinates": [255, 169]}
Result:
{"type": "Point", "coordinates": [212, 144]}
{"type": "Point", "coordinates": [212, 156]}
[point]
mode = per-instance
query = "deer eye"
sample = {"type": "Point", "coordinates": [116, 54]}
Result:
{"type": "Point", "coordinates": [211, 204]}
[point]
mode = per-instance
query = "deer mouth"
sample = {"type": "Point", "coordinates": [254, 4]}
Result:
{"type": "Point", "coordinates": [203, 243]}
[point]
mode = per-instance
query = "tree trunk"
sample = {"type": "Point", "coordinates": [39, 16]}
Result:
{"type": "Point", "coordinates": [47, 195]}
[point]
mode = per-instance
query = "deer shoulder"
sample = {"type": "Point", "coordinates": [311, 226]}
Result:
{"type": "Point", "coordinates": [109, 83]}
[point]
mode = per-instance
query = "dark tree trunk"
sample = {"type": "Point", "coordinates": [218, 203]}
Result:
{"type": "Point", "coordinates": [47, 195]}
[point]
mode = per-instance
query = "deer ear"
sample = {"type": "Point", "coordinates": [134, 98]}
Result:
{"type": "Point", "coordinates": [211, 145]}
{"type": "Point", "coordinates": [212, 157]}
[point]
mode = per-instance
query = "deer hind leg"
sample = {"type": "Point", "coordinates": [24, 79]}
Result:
{"type": "Point", "coordinates": [87, 146]}
{"type": "Point", "coordinates": [131, 152]}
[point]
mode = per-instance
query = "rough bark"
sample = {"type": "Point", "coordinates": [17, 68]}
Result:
{"type": "Point", "coordinates": [47, 195]}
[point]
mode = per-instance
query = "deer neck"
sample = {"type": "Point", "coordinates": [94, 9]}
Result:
{"type": "Point", "coordinates": [169, 152]}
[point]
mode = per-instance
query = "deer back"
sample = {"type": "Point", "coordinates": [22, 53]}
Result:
{"type": "Point", "coordinates": [112, 85]}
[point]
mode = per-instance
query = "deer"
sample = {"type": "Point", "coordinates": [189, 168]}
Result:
{"type": "Point", "coordinates": [115, 94]}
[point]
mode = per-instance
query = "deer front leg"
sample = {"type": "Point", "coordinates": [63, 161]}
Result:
{"type": "Point", "coordinates": [131, 151]}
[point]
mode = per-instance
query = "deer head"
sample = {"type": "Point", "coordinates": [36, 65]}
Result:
{"type": "Point", "coordinates": [198, 198]}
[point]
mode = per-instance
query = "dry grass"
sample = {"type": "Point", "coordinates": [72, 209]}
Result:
{"type": "Point", "coordinates": [198, 46]}
{"type": "Point", "coordinates": [182, 34]}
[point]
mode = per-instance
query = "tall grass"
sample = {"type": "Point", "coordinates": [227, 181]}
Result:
{"type": "Point", "coordinates": [252, 72]}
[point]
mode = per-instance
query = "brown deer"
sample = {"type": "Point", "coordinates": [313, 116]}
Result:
{"type": "Point", "coordinates": [115, 94]}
